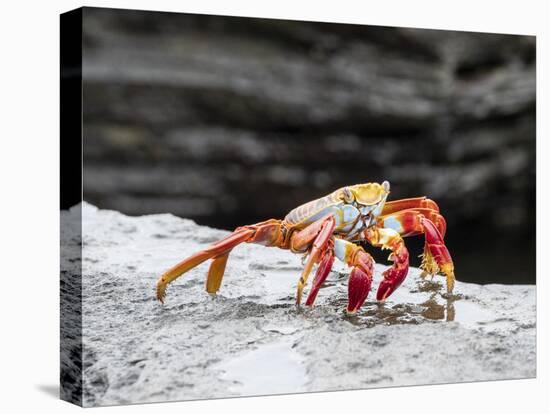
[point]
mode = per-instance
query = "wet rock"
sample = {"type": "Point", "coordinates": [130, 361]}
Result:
{"type": "Point", "coordinates": [251, 339]}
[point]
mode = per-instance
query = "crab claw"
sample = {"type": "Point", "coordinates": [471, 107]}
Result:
{"type": "Point", "coordinates": [391, 281]}
{"type": "Point", "coordinates": [358, 289]}
{"type": "Point", "coordinates": [394, 276]}
{"type": "Point", "coordinates": [360, 278]}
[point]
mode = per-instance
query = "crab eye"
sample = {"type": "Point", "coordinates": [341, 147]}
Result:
{"type": "Point", "coordinates": [348, 195]}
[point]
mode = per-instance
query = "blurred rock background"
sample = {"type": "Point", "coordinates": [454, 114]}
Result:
{"type": "Point", "coordinates": [230, 121]}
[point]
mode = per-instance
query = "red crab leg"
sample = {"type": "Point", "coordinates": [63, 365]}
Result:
{"type": "Point", "coordinates": [437, 249]}
{"type": "Point", "coordinates": [267, 233]}
{"type": "Point", "coordinates": [394, 276]}
{"type": "Point", "coordinates": [360, 279]}
{"type": "Point", "coordinates": [322, 272]}
{"type": "Point", "coordinates": [423, 221]}
{"type": "Point", "coordinates": [321, 230]}
{"type": "Point", "coordinates": [406, 203]}
{"type": "Point", "coordinates": [407, 222]}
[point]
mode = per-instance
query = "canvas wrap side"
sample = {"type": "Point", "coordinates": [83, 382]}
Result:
{"type": "Point", "coordinates": [71, 197]}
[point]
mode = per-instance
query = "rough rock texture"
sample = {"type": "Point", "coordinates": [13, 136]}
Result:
{"type": "Point", "coordinates": [251, 339]}
{"type": "Point", "coordinates": [70, 295]}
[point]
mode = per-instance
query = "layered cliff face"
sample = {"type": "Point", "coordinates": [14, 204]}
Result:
{"type": "Point", "coordinates": [251, 339]}
{"type": "Point", "coordinates": [231, 121]}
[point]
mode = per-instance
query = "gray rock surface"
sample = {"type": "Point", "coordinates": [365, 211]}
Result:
{"type": "Point", "coordinates": [251, 339]}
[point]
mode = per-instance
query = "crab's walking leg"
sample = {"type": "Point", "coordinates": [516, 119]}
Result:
{"type": "Point", "coordinates": [407, 203]}
{"type": "Point", "coordinates": [215, 272]}
{"type": "Point", "coordinates": [320, 232]}
{"type": "Point", "coordinates": [322, 272]}
{"type": "Point", "coordinates": [406, 221]}
{"type": "Point", "coordinates": [394, 276]}
{"type": "Point", "coordinates": [360, 279]}
{"type": "Point", "coordinates": [416, 221]}
{"type": "Point", "coordinates": [267, 233]}
{"type": "Point", "coordinates": [435, 249]}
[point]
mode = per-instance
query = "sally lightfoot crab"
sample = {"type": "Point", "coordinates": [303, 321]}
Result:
{"type": "Point", "coordinates": [334, 226]}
